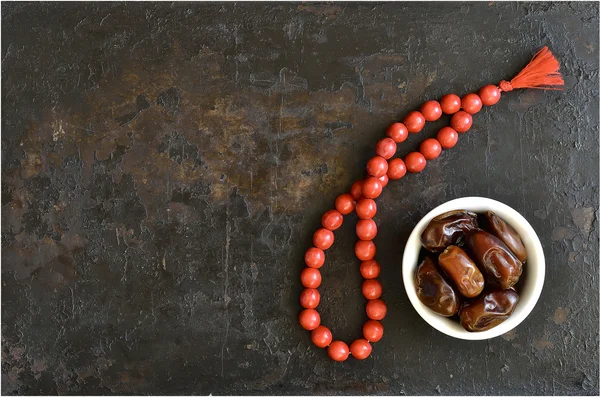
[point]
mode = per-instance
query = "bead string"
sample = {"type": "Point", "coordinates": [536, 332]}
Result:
{"type": "Point", "coordinates": [380, 169]}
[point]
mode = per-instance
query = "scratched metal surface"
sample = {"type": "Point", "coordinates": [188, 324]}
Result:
{"type": "Point", "coordinates": [164, 166]}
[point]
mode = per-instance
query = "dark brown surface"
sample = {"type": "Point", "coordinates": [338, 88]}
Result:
{"type": "Point", "coordinates": [164, 166]}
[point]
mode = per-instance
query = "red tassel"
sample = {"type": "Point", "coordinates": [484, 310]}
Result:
{"type": "Point", "coordinates": [541, 73]}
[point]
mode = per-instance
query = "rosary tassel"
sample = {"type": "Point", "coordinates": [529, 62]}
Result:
{"type": "Point", "coordinates": [541, 73]}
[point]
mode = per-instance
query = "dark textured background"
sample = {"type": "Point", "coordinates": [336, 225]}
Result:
{"type": "Point", "coordinates": [164, 167]}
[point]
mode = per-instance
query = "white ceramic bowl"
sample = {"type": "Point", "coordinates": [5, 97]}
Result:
{"type": "Point", "coordinates": [533, 271]}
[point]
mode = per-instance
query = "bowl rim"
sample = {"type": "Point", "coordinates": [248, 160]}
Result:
{"type": "Point", "coordinates": [535, 267]}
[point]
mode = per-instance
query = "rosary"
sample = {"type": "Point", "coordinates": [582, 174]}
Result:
{"type": "Point", "coordinates": [542, 72]}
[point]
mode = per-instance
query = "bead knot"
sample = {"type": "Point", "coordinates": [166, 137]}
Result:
{"type": "Point", "coordinates": [505, 86]}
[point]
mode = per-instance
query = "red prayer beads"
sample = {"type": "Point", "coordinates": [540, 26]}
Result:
{"type": "Point", "coordinates": [542, 72]}
{"type": "Point", "coordinates": [380, 169]}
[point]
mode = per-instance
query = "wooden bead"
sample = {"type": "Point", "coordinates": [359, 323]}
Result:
{"type": "Point", "coordinates": [323, 238]}
{"type": "Point", "coordinates": [356, 189]}
{"type": "Point", "coordinates": [461, 121]}
{"type": "Point", "coordinates": [414, 122]}
{"type": "Point", "coordinates": [345, 203]}
{"type": "Point", "coordinates": [376, 309]}
{"type": "Point", "coordinates": [364, 250]}
{"type": "Point", "coordinates": [450, 103]}
{"type": "Point", "coordinates": [384, 180]}
{"type": "Point", "coordinates": [386, 148]}
{"type": "Point", "coordinates": [447, 137]}
{"type": "Point", "coordinates": [431, 110]}
{"type": "Point", "coordinates": [372, 331]}
{"type": "Point", "coordinates": [310, 298]}
{"type": "Point", "coordinates": [309, 319]}
{"type": "Point", "coordinates": [310, 278]}
{"type": "Point", "coordinates": [415, 162]}
{"type": "Point", "coordinates": [360, 349]}
{"type": "Point", "coordinates": [366, 229]}
{"type": "Point", "coordinates": [338, 351]}
{"type": "Point", "coordinates": [490, 95]}
{"type": "Point", "coordinates": [397, 132]}
{"type": "Point", "coordinates": [321, 336]}
{"type": "Point", "coordinates": [396, 168]}
{"type": "Point", "coordinates": [471, 103]}
{"type": "Point", "coordinates": [332, 220]}
{"type": "Point", "coordinates": [314, 257]}
{"type": "Point", "coordinates": [370, 269]}
{"type": "Point", "coordinates": [377, 167]}
{"type": "Point", "coordinates": [372, 187]}
{"type": "Point", "coordinates": [430, 148]}
{"type": "Point", "coordinates": [371, 289]}
{"type": "Point", "coordinates": [366, 208]}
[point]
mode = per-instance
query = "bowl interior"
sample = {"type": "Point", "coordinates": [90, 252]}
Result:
{"type": "Point", "coordinates": [531, 282]}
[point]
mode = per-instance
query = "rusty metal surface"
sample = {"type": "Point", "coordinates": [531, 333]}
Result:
{"type": "Point", "coordinates": [164, 166]}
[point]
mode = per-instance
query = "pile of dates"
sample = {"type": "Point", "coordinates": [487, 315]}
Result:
{"type": "Point", "coordinates": [471, 265]}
